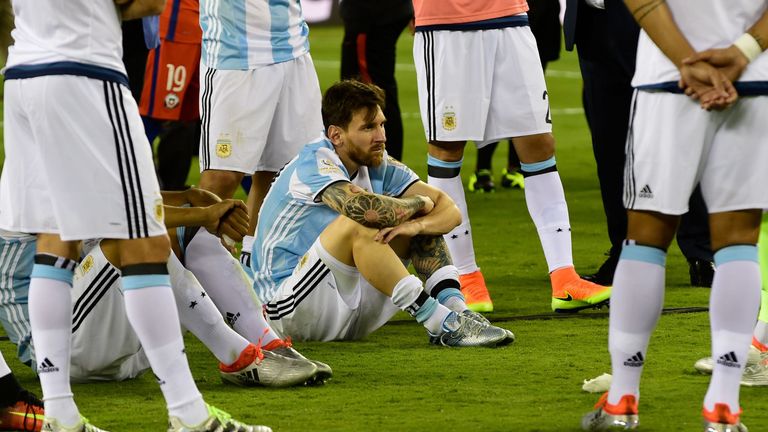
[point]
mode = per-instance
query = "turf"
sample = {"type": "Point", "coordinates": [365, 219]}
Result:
{"type": "Point", "coordinates": [395, 381]}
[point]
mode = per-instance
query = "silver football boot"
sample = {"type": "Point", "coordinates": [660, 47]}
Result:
{"type": "Point", "coordinates": [477, 316]}
{"type": "Point", "coordinates": [756, 375]}
{"type": "Point", "coordinates": [721, 427]}
{"type": "Point", "coordinates": [324, 372]}
{"type": "Point", "coordinates": [464, 331]}
{"type": "Point", "coordinates": [217, 421]}
{"type": "Point", "coordinates": [271, 370]}
{"type": "Point", "coordinates": [706, 364]}
{"type": "Point", "coordinates": [599, 420]}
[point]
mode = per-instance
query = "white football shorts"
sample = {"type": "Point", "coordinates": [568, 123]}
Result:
{"type": "Point", "coordinates": [481, 85]}
{"type": "Point", "coordinates": [673, 144]}
{"type": "Point", "coordinates": [77, 161]}
{"type": "Point", "coordinates": [325, 300]}
{"type": "Point", "coordinates": [104, 345]}
{"type": "Point", "coordinates": [258, 119]}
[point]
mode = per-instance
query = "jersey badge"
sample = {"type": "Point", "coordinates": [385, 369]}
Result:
{"type": "Point", "coordinates": [171, 100]}
{"type": "Point", "coordinates": [223, 147]}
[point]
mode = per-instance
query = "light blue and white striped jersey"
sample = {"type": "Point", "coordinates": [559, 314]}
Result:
{"type": "Point", "coordinates": [293, 214]}
{"type": "Point", "coordinates": [247, 34]}
{"type": "Point", "coordinates": [706, 24]}
{"type": "Point", "coordinates": [73, 37]}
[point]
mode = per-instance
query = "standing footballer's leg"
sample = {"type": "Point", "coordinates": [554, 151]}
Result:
{"type": "Point", "coordinates": [50, 313]}
{"type": "Point", "coordinates": [733, 308]}
{"type": "Point", "coordinates": [545, 198]}
{"type": "Point", "coordinates": [444, 172]}
{"type": "Point", "coordinates": [636, 304]}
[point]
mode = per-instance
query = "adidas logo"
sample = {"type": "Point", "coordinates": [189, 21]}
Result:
{"type": "Point", "coordinates": [232, 318]}
{"type": "Point", "coordinates": [636, 360]}
{"type": "Point", "coordinates": [646, 192]}
{"type": "Point", "coordinates": [47, 366]}
{"type": "Point", "coordinates": [729, 360]}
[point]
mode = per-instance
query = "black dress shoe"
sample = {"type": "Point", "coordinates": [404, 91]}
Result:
{"type": "Point", "coordinates": [702, 271]}
{"type": "Point", "coordinates": [604, 275]}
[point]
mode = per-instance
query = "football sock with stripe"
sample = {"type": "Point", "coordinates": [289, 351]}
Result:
{"type": "Point", "coordinates": [229, 287]}
{"type": "Point", "coordinates": [733, 306]}
{"type": "Point", "coordinates": [636, 302]}
{"type": "Point", "coordinates": [50, 313]}
{"type": "Point", "coordinates": [151, 310]}
{"type": "Point", "coordinates": [545, 199]}
{"type": "Point", "coordinates": [444, 286]}
{"type": "Point", "coordinates": [445, 176]}
{"type": "Point", "coordinates": [409, 296]}
{"type": "Point", "coordinates": [199, 315]}
{"type": "Point", "coordinates": [245, 255]}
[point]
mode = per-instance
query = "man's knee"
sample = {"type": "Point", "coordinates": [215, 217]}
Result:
{"type": "Point", "coordinates": [222, 183]}
{"type": "Point", "coordinates": [447, 151]}
{"type": "Point", "coordinates": [735, 228]}
{"type": "Point", "coordinates": [535, 148]}
{"type": "Point", "coordinates": [651, 228]}
{"type": "Point", "coordinates": [144, 250]}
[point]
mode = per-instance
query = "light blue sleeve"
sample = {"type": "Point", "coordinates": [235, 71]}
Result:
{"type": "Point", "coordinates": [317, 170]}
{"type": "Point", "coordinates": [397, 177]}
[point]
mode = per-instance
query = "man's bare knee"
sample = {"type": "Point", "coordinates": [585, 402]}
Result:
{"type": "Point", "coordinates": [534, 148]}
{"type": "Point", "coordinates": [222, 183]}
{"type": "Point", "coordinates": [447, 151]}
{"type": "Point", "coordinates": [144, 250]}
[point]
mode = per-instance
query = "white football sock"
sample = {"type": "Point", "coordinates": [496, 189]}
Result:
{"type": "Point", "coordinates": [199, 315]}
{"type": "Point", "coordinates": [444, 285]}
{"type": "Point", "coordinates": [409, 295]}
{"type": "Point", "coordinates": [229, 287]}
{"type": "Point", "coordinates": [636, 303]}
{"type": "Point", "coordinates": [50, 315]}
{"type": "Point", "coordinates": [445, 176]}
{"type": "Point", "coordinates": [733, 306]}
{"type": "Point", "coordinates": [151, 310]}
{"type": "Point", "coordinates": [545, 199]}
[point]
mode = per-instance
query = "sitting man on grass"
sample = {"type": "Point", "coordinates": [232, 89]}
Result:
{"type": "Point", "coordinates": [338, 226]}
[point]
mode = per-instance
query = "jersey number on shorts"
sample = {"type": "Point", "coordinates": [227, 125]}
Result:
{"type": "Point", "coordinates": [549, 116]}
{"type": "Point", "coordinates": [177, 76]}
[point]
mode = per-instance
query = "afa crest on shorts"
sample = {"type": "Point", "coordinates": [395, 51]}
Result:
{"type": "Point", "coordinates": [224, 147]}
{"type": "Point", "coordinates": [449, 119]}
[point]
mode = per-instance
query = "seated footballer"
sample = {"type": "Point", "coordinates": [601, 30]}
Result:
{"type": "Point", "coordinates": [338, 228]}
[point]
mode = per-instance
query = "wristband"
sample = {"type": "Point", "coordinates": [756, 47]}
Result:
{"type": "Point", "coordinates": [748, 46]}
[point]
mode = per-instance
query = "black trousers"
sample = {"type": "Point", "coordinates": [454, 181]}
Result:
{"type": "Point", "coordinates": [606, 41]}
{"type": "Point", "coordinates": [369, 56]}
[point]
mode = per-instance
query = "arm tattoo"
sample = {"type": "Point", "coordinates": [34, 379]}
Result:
{"type": "Point", "coordinates": [369, 209]}
{"type": "Point", "coordinates": [641, 12]}
{"type": "Point", "coordinates": [428, 254]}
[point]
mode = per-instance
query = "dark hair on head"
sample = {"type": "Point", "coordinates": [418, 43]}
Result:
{"type": "Point", "coordinates": [344, 98]}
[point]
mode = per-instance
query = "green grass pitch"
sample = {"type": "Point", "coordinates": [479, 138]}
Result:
{"type": "Point", "coordinates": [395, 381]}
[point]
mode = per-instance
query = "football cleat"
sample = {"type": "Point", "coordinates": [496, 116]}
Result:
{"type": "Point", "coordinates": [722, 420]}
{"type": "Point", "coordinates": [462, 331]}
{"type": "Point", "coordinates": [26, 414]}
{"type": "Point", "coordinates": [512, 179]}
{"type": "Point", "coordinates": [607, 417]}
{"type": "Point", "coordinates": [475, 292]}
{"type": "Point", "coordinates": [481, 181]}
{"type": "Point", "coordinates": [756, 375]}
{"type": "Point", "coordinates": [256, 367]}
{"type": "Point", "coordinates": [52, 425]}
{"type": "Point", "coordinates": [217, 421]}
{"type": "Point", "coordinates": [285, 349]}
{"type": "Point", "coordinates": [477, 316]}
{"type": "Point", "coordinates": [706, 364]}
{"type": "Point", "coordinates": [570, 293]}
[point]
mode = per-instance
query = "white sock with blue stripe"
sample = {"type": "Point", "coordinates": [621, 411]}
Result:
{"type": "Point", "coordinates": [733, 307]}
{"type": "Point", "coordinates": [545, 199]}
{"type": "Point", "coordinates": [409, 296]}
{"type": "Point", "coordinates": [446, 177]}
{"type": "Point", "coordinates": [50, 313]}
{"type": "Point", "coordinates": [151, 310]}
{"type": "Point", "coordinates": [636, 302]}
{"type": "Point", "coordinates": [444, 286]}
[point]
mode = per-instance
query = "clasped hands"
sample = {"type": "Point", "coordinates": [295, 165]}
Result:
{"type": "Point", "coordinates": [708, 76]}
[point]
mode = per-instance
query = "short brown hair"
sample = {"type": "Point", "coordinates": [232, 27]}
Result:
{"type": "Point", "coordinates": [344, 98]}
